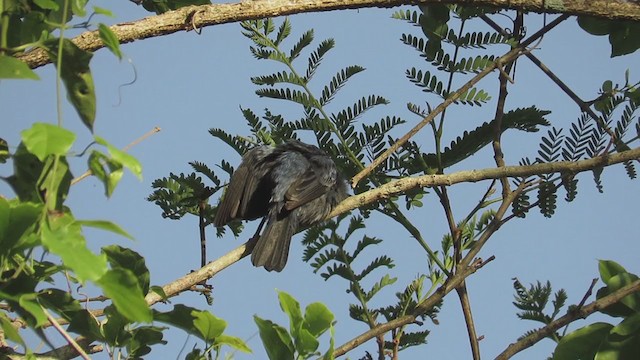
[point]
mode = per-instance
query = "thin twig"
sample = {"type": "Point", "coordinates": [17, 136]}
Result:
{"type": "Point", "coordinates": [594, 281]}
{"type": "Point", "coordinates": [571, 316]}
{"type": "Point", "coordinates": [463, 296]}
{"type": "Point", "coordinates": [66, 335]}
{"type": "Point", "coordinates": [420, 309]}
{"type": "Point", "coordinates": [501, 61]}
{"type": "Point", "coordinates": [126, 148]}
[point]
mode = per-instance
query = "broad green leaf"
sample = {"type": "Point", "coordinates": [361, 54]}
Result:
{"type": "Point", "coordinates": [209, 326]}
{"type": "Point", "coordinates": [105, 225]}
{"type": "Point", "coordinates": [609, 269]}
{"type": "Point", "coordinates": [317, 318]}
{"type": "Point", "coordinates": [628, 305]}
{"type": "Point", "coordinates": [160, 291]}
{"type": "Point", "coordinates": [54, 182]}
{"type": "Point", "coordinates": [234, 342]}
{"type": "Point", "coordinates": [142, 338]}
{"type": "Point", "coordinates": [582, 343]}
{"type": "Point", "coordinates": [63, 236]}
{"type": "Point", "coordinates": [197, 322]}
{"type": "Point", "coordinates": [47, 4]}
{"type": "Point", "coordinates": [109, 172]}
{"type": "Point", "coordinates": [617, 347]}
{"type": "Point", "coordinates": [76, 75]}
{"type": "Point", "coordinates": [115, 330]}
{"type": "Point", "coordinates": [78, 7]}
{"type": "Point", "coordinates": [85, 324]}
{"type": "Point", "coordinates": [275, 339]}
{"type": "Point", "coordinates": [306, 343]}
{"type": "Point", "coordinates": [110, 39]}
{"type": "Point", "coordinates": [121, 285]}
{"type": "Point", "coordinates": [291, 307]}
{"type": "Point", "coordinates": [122, 157]}
{"type": "Point", "coordinates": [29, 303]}
{"type": "Point", "coordinates": [12, 68]}
{"type": "Point", "coordinates": [102, 11]}
{"type": "Point", "coordinates": [17, 223]}
{"type": "Point", "coordinates": [124, 258]}
{"type": "Point", "coordinates": [26, 172]}
{"type": "Point", "coordinates": [9, 331]}
{"type": "Point", "coordinates": [628, 326]}
{"type": "Point", "coordinates": [43, 140]}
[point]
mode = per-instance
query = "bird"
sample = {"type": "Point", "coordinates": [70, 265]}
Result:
{"type": "Point", "coordinates": [292, 186]}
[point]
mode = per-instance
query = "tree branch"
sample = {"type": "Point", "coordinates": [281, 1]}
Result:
{"type": "Point", "coordinates": [572, 315]}
{"type": "Point", "coordinates": [196, 17]}
{"type": "Point", "coordinates": [396, 187]}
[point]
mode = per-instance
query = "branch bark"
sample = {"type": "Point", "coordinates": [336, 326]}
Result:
{"type": "Point", "coordinates": [580, 313]}
{"type": "Point", "coordinates": [196, 17]}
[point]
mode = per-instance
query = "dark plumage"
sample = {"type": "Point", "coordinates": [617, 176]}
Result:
{"type": "Point", "coordinates": [292, 185]}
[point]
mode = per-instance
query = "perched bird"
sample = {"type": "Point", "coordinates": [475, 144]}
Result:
{"type": "Point", "coordinates": [293, 186]}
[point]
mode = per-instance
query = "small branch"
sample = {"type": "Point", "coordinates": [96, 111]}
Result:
{"type": "Point", "coordinates": [498, 63]}
{"type": "Point", "coordinates": [426, 305]}
{"type": "Point", "coordinates": [126, 148]}
{"type": "Point", "coordinates": [463, 295]}
{"type": "Point", "coordinates": [571, 316]}
{"type": "Point", "coordinates": [588, 293]}
{"type": "Point", "coordinates": [80, 351]}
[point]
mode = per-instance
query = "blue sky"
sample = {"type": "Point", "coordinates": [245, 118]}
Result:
{"type": "Point", "coordinates": [187, 83]}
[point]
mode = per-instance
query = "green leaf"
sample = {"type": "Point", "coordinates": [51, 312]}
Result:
{"type": "Point", "coordinates": [44, 139]}
{"type": "Point", "coordinates": [102, 11]}
{"type": "Point", "coordinates": [115, 330]}
{"type": "Point", "coordinates": [291, 307]}
{"type": "Point", "coordinates": [110, 39]}
{"type": "Point", "coordinates": [617, 347]}
{"type": "Point", "coordinates": [142, 338]}
{"type": "Point", "coordinates": [628, 326]}
{"type": "Point", "coordinates": [47, 4]}
{"type": "Point", "coordinates": [160, 291]}
{"type": "Point", "coordinates": [209, 326]}
{"type": "Point", "coordinates": [10, 332]}
{"type": "Point", "coordinates": [124, 258]}
{"type": "Point", "coordinates": [317, 318]}
{"type": "Point", "coordinates": [63, 236]}
{"type": "Point", "coordinates": [105, 225]}
{"type": "Point", "coordinates": [609, 269]}
{"type": "Point", "coordinates": [629, 304]}
{"type": "Point", "coordinates": [76, 75]}
{"type": "Point", "coordinates": [121, 285]}
{"type": "Point", "coordinates": [54, 182]}
{"type": "Point", "coordinates": [582, 343]}
{"type": "Point", "coordinates": [106, 170]}
{"type": "Point", "coordinates": [197, 322]}
{"type": "Point", "coordinates": [78, 7]}
{"type": "Point", "coordinates": [122, 157]}
{"type": "Point", "coordinates": [17, 222]}
{"type": "Point", "coordinates": [275, 339]}
{"type": "Point", "coordinates": [234, 342]}
{"type": "Point", "coordinates": [29, 302]}
{"type": "Point", "coordinates": [12, 68]}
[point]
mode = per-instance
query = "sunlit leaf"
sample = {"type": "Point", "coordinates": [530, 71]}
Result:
{"type": "Point", "coordinates": [122, 286]}
{"type": "Point", "coordinates": [12, 68]}
{"type": "Point", "coordinates": [44, 139]}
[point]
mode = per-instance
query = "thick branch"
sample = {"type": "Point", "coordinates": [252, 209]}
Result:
{"type": "Point", "coordinates": [194, 17]}
{"type": "Point", "coordinates": [394, 188]}
{"type": "Point", "coordinates": [580, 313]}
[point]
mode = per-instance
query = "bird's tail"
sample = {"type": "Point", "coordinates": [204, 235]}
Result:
{"type": "Point", "coordinates": [272, 249]}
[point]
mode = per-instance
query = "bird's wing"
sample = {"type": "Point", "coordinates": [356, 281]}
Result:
{"type": "Point", "coordinates": [242, 186]}
{"type": "Point", "coordinates": [304, 190]}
